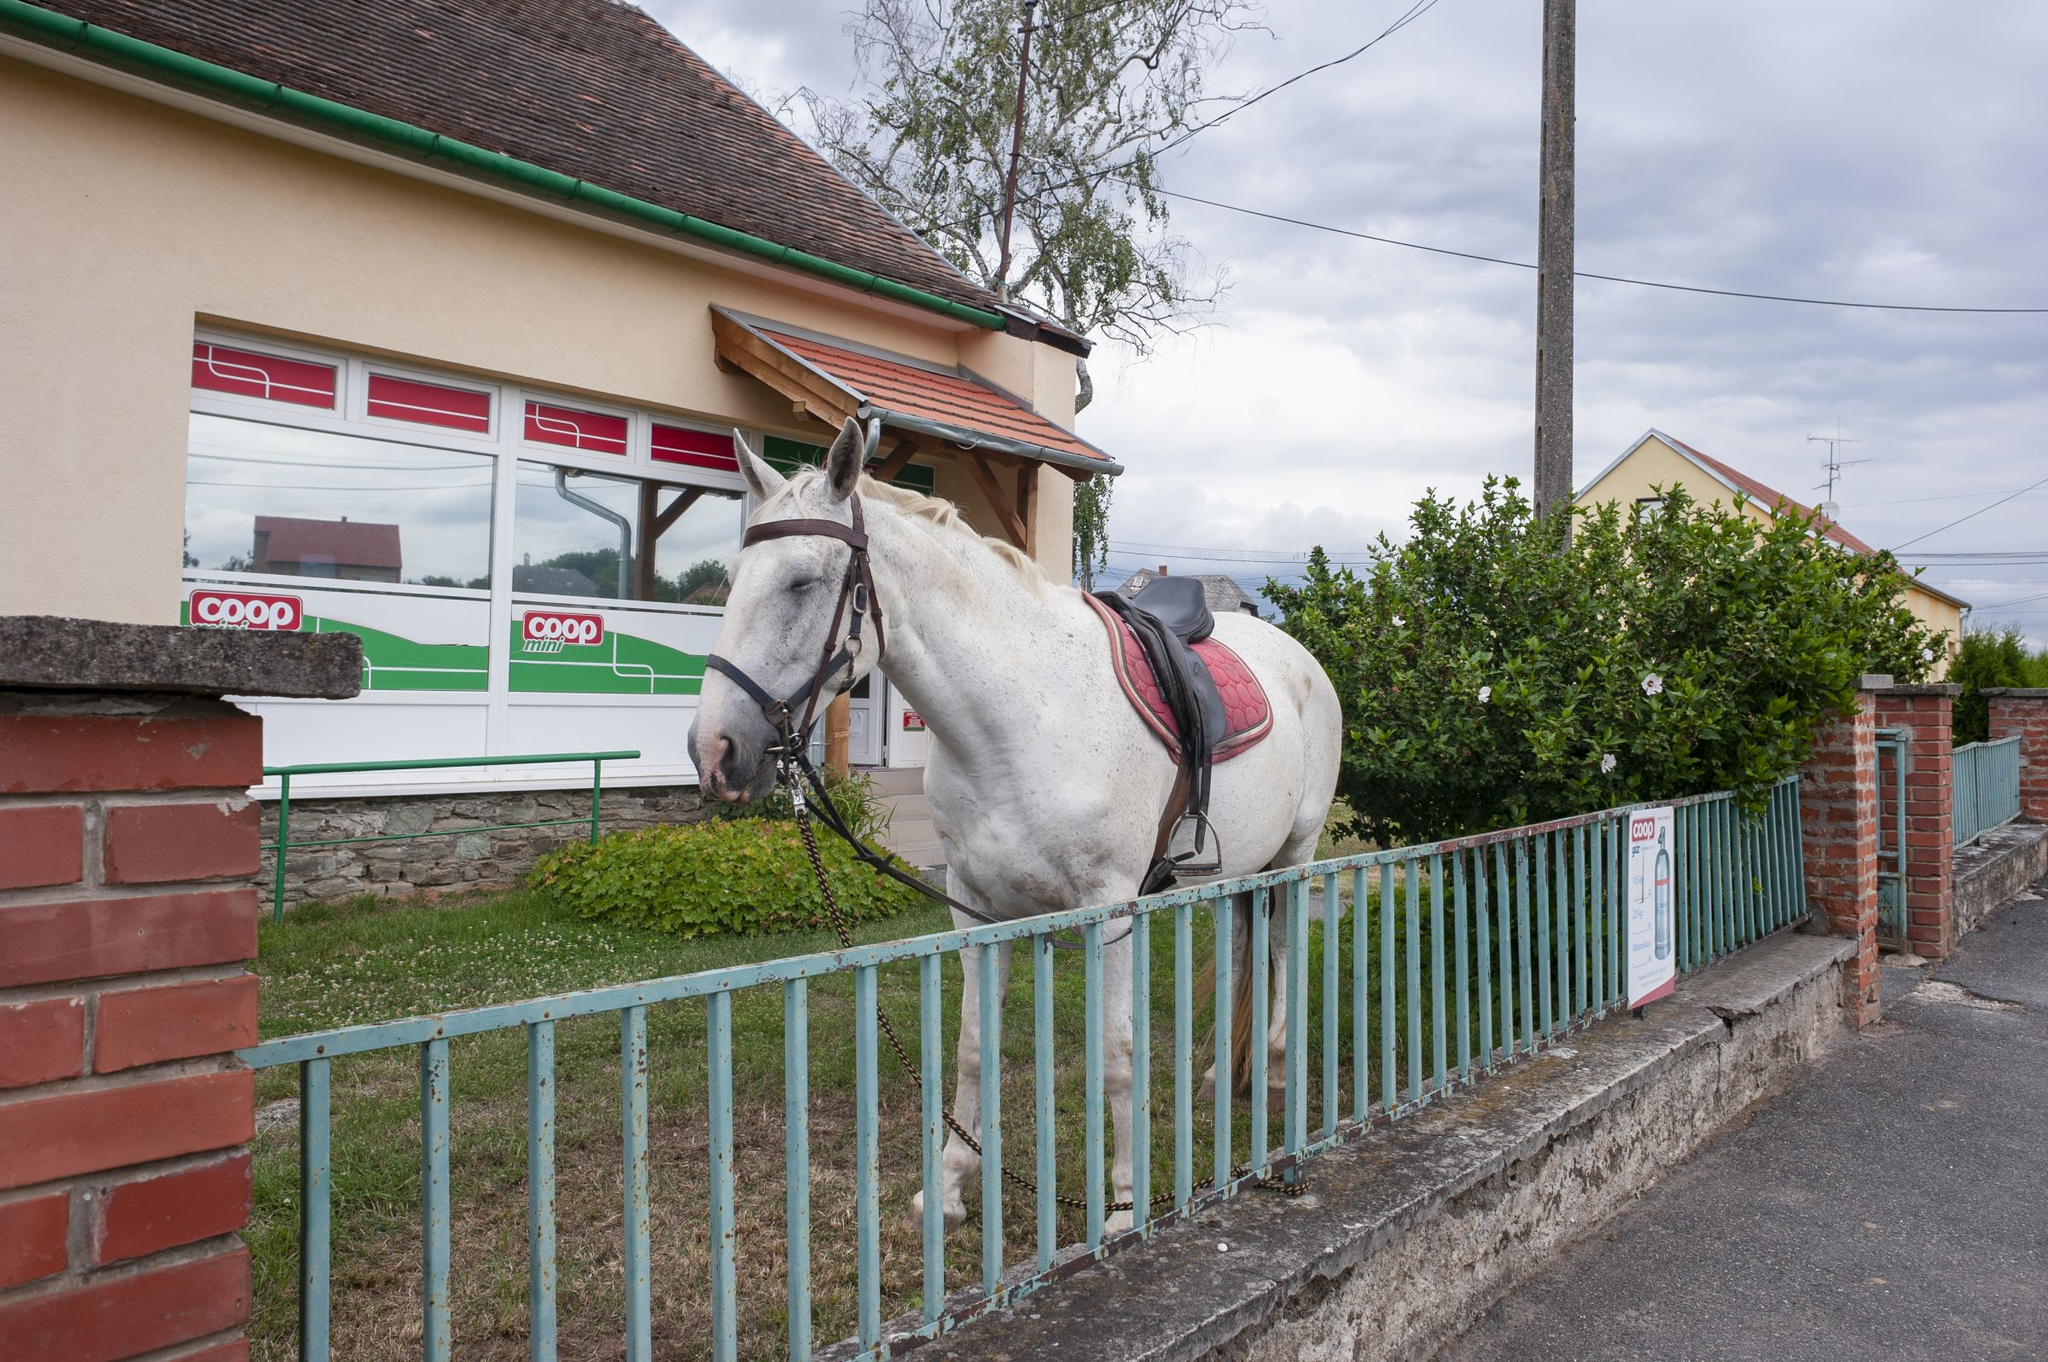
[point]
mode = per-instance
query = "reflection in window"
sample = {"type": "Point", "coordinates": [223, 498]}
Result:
{"type": "Point", "coordinates": [306, 503]}
{"type": "Point", "coordinates": [574, 530]}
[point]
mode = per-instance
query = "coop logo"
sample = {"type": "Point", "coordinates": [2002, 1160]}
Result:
{"type": "Point", "coordinates": [1642, 829]}
{"type": "Point", "coordinates": [559, 627]}
{"type": "Point", "coordinates": [246, 610]}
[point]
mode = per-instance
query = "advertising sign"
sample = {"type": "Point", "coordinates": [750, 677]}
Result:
{"type": "Point", "coordinates": [1647, 906]}
{"type": "Point", "coordinates": [913, 722]}
{"type": "Point", "coordinates": [548, 630]}
{"type": "Point", "coordinates": [245, 610]}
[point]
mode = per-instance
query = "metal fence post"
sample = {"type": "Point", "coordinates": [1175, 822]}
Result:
{"type": "Point", "coordinates": [284, 841]}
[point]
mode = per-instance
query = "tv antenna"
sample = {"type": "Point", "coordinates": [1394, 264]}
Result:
{"type": "Point", "coordinates": [1833, 465]}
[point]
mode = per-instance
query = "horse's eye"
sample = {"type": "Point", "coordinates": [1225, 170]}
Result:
{"type": "Point", "coordinates": [802, 584]}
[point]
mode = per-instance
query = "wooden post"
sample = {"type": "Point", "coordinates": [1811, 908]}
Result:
{"type": "Point", "coordinates": [1554, 263]}
{"type": "Point", "coordinates": [839, 735]}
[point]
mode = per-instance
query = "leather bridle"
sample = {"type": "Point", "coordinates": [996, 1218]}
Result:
{"type": "Point", "coordinates": [857, 598]}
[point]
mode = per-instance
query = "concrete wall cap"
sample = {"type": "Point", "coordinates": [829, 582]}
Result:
{"type": "Point", "coordinates": [54, 652]}
{"type": "Point", "coordinates": [1874, 681]}
{"type": "Point", "coordinates": [1929, 688]}
{"type": "Point", "coordinates": [2017, 692]}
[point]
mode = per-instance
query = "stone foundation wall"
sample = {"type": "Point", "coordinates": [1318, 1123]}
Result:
{"type": "Point", "coordinates": [468, 857]}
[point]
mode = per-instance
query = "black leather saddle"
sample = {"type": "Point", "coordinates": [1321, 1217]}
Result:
{"type": "Point", "coordinates": [1168, 616]}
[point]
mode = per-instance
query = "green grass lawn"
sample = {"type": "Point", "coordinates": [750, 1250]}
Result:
{"type": "Point", "coordinates": [333, 966]}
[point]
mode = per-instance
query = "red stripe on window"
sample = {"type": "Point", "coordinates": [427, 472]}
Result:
{"type": "Point", "coordinates": [245, 373]}
{"type": "Point", "coordinates": [699, 448]}
{"type": "Point", "coordinates": [429, 404]}
{"type": "Point", "coordinates": [573, 429]}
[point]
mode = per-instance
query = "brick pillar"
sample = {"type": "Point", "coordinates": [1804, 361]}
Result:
{"type": "Point", "coordinates": [1838, 824]}
{"type": "Point", "coordinates": [127, 843]}
{"type": "Point", "coordinates": [1926, 715]}
{"type": "Point", "coordinates": [2025, 712]}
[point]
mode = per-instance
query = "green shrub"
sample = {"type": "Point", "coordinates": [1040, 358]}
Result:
{"type": "Point", "coordinates": [1491, 677]}
{"type": "Point", "coordinates": [746, 874]}
{"type": "Point", "coordinates": [1991, 657]}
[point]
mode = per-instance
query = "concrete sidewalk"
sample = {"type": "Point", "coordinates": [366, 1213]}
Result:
{"type": "Point", "coordinates": [1893, 1204]}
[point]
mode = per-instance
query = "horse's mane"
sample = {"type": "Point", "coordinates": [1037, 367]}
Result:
{"type": "Point", "coordinates": [945, 515]}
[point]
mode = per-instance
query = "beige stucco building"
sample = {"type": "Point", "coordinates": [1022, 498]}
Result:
{"type": "Point", "coordinates": [1658, 462]}
{"type": "Point", "coordinates": [501, 294]}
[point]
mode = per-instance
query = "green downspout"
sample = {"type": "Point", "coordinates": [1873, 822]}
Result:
{"type": "Point", "coordinates": [161, 64]}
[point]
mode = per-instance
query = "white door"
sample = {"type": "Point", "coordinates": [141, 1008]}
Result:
{"type": "Point", "coordinates": [864, 738]}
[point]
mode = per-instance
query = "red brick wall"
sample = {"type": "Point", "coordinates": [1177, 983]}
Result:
{"type": "Point", "coordinates": [1838, 823]}
{"type": "Point", "coordinates": [1925, 714]}
{"type": "Point", "coordinates": [2025, 712]}
{"type": "Point", "coordinates": [126, 914]}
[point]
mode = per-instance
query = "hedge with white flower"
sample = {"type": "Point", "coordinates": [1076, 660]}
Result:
{"type": "Point", "coordinates": [1698, 650]}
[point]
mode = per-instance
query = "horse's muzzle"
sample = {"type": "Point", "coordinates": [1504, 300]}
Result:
{"type": "Point", "coordinates": [732, 767]}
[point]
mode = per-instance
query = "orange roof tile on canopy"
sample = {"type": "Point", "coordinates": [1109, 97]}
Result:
{"type": "Point", "coordinates": [838, 380]}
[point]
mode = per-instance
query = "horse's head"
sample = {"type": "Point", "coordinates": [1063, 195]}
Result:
{"type": "Point", "coordinates": [779, 621]}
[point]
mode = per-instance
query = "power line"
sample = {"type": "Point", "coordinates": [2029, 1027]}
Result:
{"type": "Point", "coordinates": [1972, 515]}
{"type": "Point", "coordinates": [1410, 15]}
{"type": "Point", "coordinates": [1587, 274]}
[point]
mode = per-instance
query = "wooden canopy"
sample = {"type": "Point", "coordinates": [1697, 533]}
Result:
{"type": "Point", "coordinates": [929, 411]}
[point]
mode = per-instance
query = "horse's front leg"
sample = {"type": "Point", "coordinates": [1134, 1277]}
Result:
{"type": "Point", "coordinates": [960, 1162]}
{"type": "Point", "coordinates": [1118, 982]}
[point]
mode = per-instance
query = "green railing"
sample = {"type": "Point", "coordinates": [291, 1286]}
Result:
{"type": "Point", "coordinates": [284, 844]}
{"type": "Point", "coordinates": [1987, 787]}
{"type": "Point", "coordinates": [1894, 746]}
{"type": "Point", "coordinates": [1463, 956]}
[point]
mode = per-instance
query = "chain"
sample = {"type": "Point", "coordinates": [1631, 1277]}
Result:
{"type": "Point", "coordinates": [1014, 1178]}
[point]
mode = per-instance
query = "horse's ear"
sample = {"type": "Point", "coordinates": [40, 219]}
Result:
{"type": "Point", "coordinates": [849, 454]}
{"type": "Point", "coordinates": [763, 481]}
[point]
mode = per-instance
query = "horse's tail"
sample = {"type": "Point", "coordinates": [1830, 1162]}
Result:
{"type": "Point", "coordinates": [1240, 1001]}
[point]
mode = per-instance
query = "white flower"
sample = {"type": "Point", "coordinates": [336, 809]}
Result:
{"type": "Point", "coordinates": [1485, 694]}
{"type": "Point", "coordinates": [1927, 654]}
{"type": "Point", "coordinates": [1398, 621]}
{"type": "Point", "coordinates": [1653, 684]}
{"type": "Point", "coordinates": [1606, 763]}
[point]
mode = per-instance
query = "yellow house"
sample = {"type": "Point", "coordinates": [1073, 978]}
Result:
{"type": "Point", "coordinates": [431, 322]}
{"type": "Point", "coordinates": [1659, 461]}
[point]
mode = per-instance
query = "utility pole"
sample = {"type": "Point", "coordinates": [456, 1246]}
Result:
{"type": "Point", "coordinates": [1554, 263]}
{"type": "Point", "coordinates": [1016, 149]}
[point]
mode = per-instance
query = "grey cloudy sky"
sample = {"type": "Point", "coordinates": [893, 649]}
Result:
{"type": "Point", "coordinates": [1857, 149]}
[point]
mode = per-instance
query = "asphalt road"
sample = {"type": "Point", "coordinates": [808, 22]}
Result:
{"type": "Point", "coordinates": [1892, 1204]}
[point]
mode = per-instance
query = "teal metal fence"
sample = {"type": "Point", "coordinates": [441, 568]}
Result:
{"type": "Point", "coordinates": [1986, 782]}
{"type": "Point", "coordinates": [284, 844]}
{"type": "Point", "coordinates": [1467, 955]}
{"type": "Point", "coordinates": [1894, 746]}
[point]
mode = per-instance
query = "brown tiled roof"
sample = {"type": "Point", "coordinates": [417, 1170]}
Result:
{"type": "Point", "coordinates": [593, 89]}
{"type": "Point", "coordinates": [949, 399]}
{"type": "Point", "coordinates": [354, 543]}
{"type": "Point", "coordinates": [1769, 497]}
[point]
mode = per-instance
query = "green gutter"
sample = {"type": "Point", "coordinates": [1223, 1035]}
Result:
{"type": "Point", "coordinates": [161, 64]}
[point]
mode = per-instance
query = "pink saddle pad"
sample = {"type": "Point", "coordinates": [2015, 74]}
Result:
{"type": "Point", "coordinates": [1248, 714]}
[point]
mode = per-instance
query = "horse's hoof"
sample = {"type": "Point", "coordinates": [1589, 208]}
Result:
{"type": "Point", "coordinates": [1209, 1086]}
{"type": "Point", "coordinates": [954, 1211]}
{"type": "Point", "coordinates": [1116, 1224]}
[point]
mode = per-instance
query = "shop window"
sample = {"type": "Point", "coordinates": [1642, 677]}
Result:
{"type": "Point", "coordinates": [304, 503]}
{"type": "Point", "coordinates": [594, 431]}
{"type": "Point", "coordinates": [245, 373]}
{"type": "Point", "coordinates": [429, 404]}
{"type": "Point", "coordinates": [785, 456]}
{"type": "Point", "coordinates": [697, 448]}
{"type": "Point", "coordinates": [619, 538]}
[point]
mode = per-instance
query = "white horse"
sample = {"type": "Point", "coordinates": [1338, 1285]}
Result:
{"type": "Point", "coordinates": [1046, 788]}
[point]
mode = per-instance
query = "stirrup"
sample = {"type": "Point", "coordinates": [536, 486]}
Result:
{"type": "Point", "coordinates": [1185, 863]}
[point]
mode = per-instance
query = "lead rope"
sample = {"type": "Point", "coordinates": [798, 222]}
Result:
{"type": "Point", "coordinates": [1014, 1178]}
